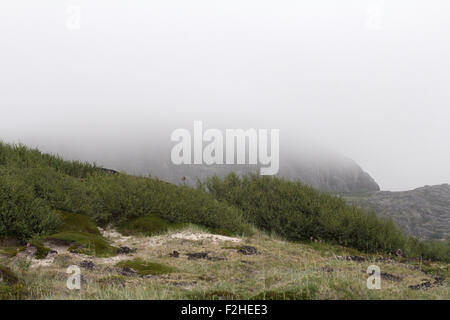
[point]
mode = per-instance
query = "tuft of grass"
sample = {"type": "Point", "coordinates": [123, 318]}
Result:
{"type": "Point", "coordinates": [144, 268]}
{"type": "Point", "coordinates": [8, 252]}
{"type": "Point", "coordinates": [12, 292]}
{"type": "Point", "coordinates": [11, 287]}
{"type": "Point", "coordinates": [303, 293]}
{"type": "Point", "coordinates": [148, 226]}
{"type": "Point", "coordinates": [112, 281]}
{"type": "Point", "coordinates": [85, 243]}
{"type": "Point", "coordinates": [436, 270]}
{"type": "Point", "coordinates": [212, 295]}
{"type": "Point", "coordinates": [81, 234]}
{"type": "Point", "coordinates": [8, 276]}
{"type": "Point", "coordinates": [42, 251]}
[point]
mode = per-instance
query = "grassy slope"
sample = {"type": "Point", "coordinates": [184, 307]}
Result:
{"type": "Point", "coordinates": [33, 185]}
{"type": "Point", "coordinates": [37, 192]}
{"type": "Point", "coordinates": [282, 270]}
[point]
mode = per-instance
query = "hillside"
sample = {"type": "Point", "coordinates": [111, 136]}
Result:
{"type": "Point", "coordinates": [320, 169]}
{"type": "Point", "coordinates": [191, 263]}
{"type": "Point", "coordinates": [140, 232]}
{"type": "Point", "coordinates": [423, 212]}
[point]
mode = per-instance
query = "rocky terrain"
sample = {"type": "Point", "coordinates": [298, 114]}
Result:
{"type": "Point", "coordinates": [423, 212]}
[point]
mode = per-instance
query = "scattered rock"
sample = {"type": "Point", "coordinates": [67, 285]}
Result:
{"type": "Point", "coordinates": [384, 260]}
{"type": "Point", "coordinates": [351, 258]}
{"type": "Point", "coordinates": [399, 253]}
{"type": "Point", "coordinates": [422, 286]}
{"type": "Point", "coordinates": [126, 250]}
{"type": "Point", "coordinates": [438, 281]}
{"type": "Point", "coordinates": [207, 277]}
{"type": "Point", "coordinates": [247, 250]}
{"type": "Point", "coordinates": [391, 277]}
{"type": "Point", "coordinates": [128, 272]}
{"type": "Point", "coordinates": [215, 258]}
{"type": "Point", "coordinates": [197, 255]}
{"type": "Point", "coordinates": [174, 254]}
{"type": "Point", "coordinates": [30, 251]}
{"type": "Point", "coordinates": [203, 255]}
{"type": "Point", "coordinates": [386, 276]}
{"type": "Point", "coordinates": [109, 269]}
{"type": "Point", "coordinates": [327, 269]}
{"type": "Point", "coordinates": [86, 264]}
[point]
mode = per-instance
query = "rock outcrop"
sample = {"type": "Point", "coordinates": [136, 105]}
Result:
{"type": "Point", "coordinates": [423, 212]}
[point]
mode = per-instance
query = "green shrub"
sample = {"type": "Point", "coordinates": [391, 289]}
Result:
{"type": "Point", "coordinates": [37, 192]}
{"type": "Point", "coordinates": [33, 185]}
{"type": "Point", "coordinates": [85, 243]}
{"type": "Point", "coordinates": [144, 268]}
{"type": "Point", "coordinates": [11, 287]}
{"type": "Point", "coordinates": [8, 276]}
{"type": "Point", "coordinates": [147, 225]}
{"type": "Point", "coordinates": [22, 215]}
{"type": "Point", "coordinates": [298, 212]}
{"type": "Point", "coordinates": [81, 234]}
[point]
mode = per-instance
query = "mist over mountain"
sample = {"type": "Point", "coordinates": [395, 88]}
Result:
{"type": "Point", "coordinates": [323, 169]}
{"type": "Point", "coordinates": [332, 174]}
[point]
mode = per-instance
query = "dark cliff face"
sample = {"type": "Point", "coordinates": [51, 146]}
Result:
{"type": "Point", "coordinates": [423, 212]}
{"type": "Point", "coordinates": [331, 174]}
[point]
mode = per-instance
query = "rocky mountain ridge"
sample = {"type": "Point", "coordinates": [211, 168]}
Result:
{"type": "Point", "coordinates": [424, 212]}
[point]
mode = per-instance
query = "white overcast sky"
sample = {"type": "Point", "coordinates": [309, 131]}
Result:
{"type": "Point", "coordinates": [367, 79]}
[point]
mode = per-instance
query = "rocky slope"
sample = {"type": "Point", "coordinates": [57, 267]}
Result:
{"type": "Point", "coordinates": [424, 212]}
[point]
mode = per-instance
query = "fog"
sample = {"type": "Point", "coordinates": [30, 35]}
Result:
{"type": "Point", "coordinates": [368, 80]}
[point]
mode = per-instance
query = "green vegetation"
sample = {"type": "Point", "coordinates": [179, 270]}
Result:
{"type": "Point", "coordinates": [8, 251]}
{"type": "Point", "coordinates": [34, 185]}
{"type": "Point", "coordinates": [77, 223]}
{"type": "Point", "coordinates": [82, 235]}
{"type": "Point", "coordinates": [300, 213]}
{"type": "Point", "coordinates": [308, 292]}
{"type": "Point", "coordinates": [85, 243]}
{"type": "Point", "coordinates": [145, 268]}
{"type": "Point", "coordinates": [11, 287]}
{"type": "Point", "coordinates": [22, 214]}
{"type": "Point", "coordinates": [41, 250]}
{"type": "Point", "coordinates": [8, 276]}
{"type": "Point", "coordinates": [43, 197]}
{"type": "Point", "coordinates": [148, 226]}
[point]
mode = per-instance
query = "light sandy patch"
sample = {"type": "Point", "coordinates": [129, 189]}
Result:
{"type": "Point", "coordinates": [58, 248]}
{"type": "Point", "coordinates": [198, 236]}
{"type": "Point", "coordinates": [140, 242]}
{"type": "Point", "coordinates": [187, 235]}
{"type": "Point", "coordinates": [46, 262]}
{"type": "Point", "coordinates": [114, 236]}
